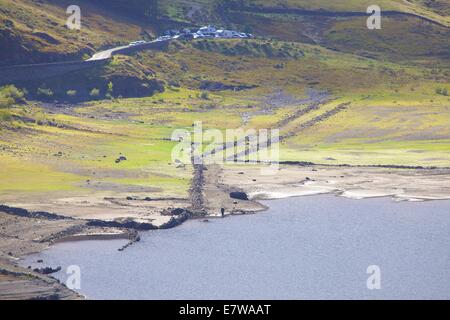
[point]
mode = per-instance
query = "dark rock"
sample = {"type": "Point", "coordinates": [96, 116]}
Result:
{"type": "Point", "coordinates": [178, 211]}
{"type": "Point", "coordinates": [30, 214]}
{"type": "Point", "coordinates": [124, 223]}
{"type": "Point", "coordinates": [238, 195]}
{"type": "Point", "coordinates": [120, 159]}
{"type": "Point", "coordinates": [175, 221]}
{"type": "Point", "coordinates": [47, 270]}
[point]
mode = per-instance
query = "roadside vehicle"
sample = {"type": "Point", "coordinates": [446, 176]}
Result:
{"type": "Point", "coordinates": [136, 43]}
{"type": "Point", "coordinates": [184, 36]}
{"type": "Point", "coordinates": [163, 38]}
{"type": "Point", "coordinates": [171, 33]}
{"type": "Point", "coordinates": [199, 36]}
{"type": "Point", "coordinates": [208, 31]}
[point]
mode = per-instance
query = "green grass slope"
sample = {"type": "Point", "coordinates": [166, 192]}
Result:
{"type": "Point", "coordinates": [35, 31]}
{"type": "Point", "coordinates": [393, 84]}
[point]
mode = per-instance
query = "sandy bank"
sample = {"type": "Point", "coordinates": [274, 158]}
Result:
{"type": "Point", "coordinates": [350, 182]}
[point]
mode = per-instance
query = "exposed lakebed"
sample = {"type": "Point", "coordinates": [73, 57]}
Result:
{"type": "Point", "coordinates": [316, 247]}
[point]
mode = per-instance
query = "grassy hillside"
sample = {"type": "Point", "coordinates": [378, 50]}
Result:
{"type": "Point", "coordinates": [199, 10]}
{"type": "Point", "coordinates": [35, 31]}
{"type": "Point", "coordinates": [386, 94]}
{"type": "Point", "coordinates": [391, 118]}
{"type": "Point", "coordinates": [401, 37]}
{"type": "Point", "coordinates": [435, 10]}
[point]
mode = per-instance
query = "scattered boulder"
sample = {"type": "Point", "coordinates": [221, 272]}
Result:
{"type": "Point", "coordinates": [121, 158]}
{"type": "Point", "coordinates": [178, 211]}
{"type": "Point", "coordinates": [175, 212]}
{"type": "Point", "coordinates": [47, 270]}
{"type": "Point", "coordinates": [121, 223]}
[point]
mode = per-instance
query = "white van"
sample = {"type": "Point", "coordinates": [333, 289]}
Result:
{"type": "Point", "coordinates": [207, 31]}
{"type": "Point", "coordinates": [228, 34]}
{"type": "Point", "coordinates": [136, 43]}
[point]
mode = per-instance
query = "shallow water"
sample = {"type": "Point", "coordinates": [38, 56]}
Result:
{"type": "Point", "coordinates": [316, 247]}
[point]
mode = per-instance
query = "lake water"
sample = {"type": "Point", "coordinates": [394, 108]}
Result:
{"type": "Point", "coordinates": [316, 247]}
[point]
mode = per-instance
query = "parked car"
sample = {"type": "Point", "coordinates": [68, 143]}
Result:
{"type": "Point", "coordinates": [136, 43]}
{"type": "Point", "coordinates": [222, 33]}
{"type": "Point", "coordinates": [235, 34]}
{"type": "Point", "coordinates": [163, 38]}
{"type": "Point", "coordinates": [184, 36]}
{"type": "Point", "coordinates": [171, 33]}
{"type": "Point", "coordinates": [227, 34]}
{"type": "Point", "coordinates": [199, 35]}
{"type": "Point", "coordinates": [208, 31]}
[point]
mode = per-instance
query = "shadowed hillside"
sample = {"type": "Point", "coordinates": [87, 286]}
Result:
{"type": "Point", "coordinates": [32, 31]}
{"type": "Point", "coordinates": [147, 9]}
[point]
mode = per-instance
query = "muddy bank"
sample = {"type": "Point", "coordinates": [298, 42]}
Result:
{"type": "Point", "coordinates": [20, 236]}
{"type": "Point", "coordinates": [24, 232]}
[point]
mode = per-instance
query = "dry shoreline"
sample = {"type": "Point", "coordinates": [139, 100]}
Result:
{"type": "Point", "coordinates": [405, 184]}
{"type": "Point", "coordinates": [20, 235]}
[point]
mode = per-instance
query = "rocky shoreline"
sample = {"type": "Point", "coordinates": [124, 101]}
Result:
{"type": "Point", "coordinates": [20, 283]}
{"type": "Point", "coordinates": [215, 192]}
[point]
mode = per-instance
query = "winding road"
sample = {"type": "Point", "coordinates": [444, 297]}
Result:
{"type": "Point", "coordinates": [107, 54]}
